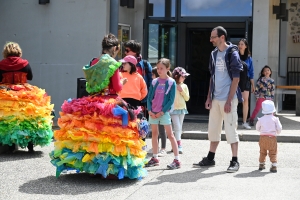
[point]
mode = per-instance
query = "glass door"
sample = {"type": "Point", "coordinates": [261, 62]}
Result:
{"type": "Point", "coordinates": [161, 40]}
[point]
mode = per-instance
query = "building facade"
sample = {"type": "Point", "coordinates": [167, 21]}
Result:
{"type": "Point", "coordinates": [59, 37]}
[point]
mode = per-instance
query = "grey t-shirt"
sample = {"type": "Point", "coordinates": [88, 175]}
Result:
{"type": "Point", "coordinates": [222, 78]}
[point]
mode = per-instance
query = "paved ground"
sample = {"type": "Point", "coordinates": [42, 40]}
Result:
{"type": "Point", "coordinates": [31, 176]}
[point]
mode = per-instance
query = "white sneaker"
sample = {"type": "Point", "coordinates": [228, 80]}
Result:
{"type": "Point", "coordinates": [162, 153]}
{"type": "Point", "coordinates": [246, 126]}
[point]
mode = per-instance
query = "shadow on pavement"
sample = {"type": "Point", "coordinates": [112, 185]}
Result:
{"type": "Point", "coordinates": [185, 177]}
{"type": "Point", "coordinates": [20, 155]}
{"type": "Point", "coordinates": [255, 173]}
{"type": "Point", "coordinates": [73, 184]}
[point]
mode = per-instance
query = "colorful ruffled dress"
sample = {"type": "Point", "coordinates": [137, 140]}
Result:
{"type": "Point", "coordinates": [25, 110]}
{"type": "Point", "coordinates": [97, 135]}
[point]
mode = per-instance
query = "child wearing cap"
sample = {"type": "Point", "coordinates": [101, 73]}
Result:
{"type": "Point", "coordinates": [268, 126]}
{"type": "Point", "coordinates": [135, 89]}
{"type": "Point", "coordinates": [181, 96]}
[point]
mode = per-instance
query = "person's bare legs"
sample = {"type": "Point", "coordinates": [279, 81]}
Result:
{"type": "Point", "coordinates": [245, 105]}
{"type": "Point", "coordinates": [172, 139]}
{"type": "Point", "coordinates": [213, 146]}
{"type": "Point", "coordinates": [154, 128]}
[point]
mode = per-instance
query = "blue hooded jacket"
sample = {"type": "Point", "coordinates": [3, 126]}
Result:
{"type": "Point", "coordinates": [234, 67]}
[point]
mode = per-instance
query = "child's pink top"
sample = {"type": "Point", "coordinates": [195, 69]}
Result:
{"type": "Point", "coordinates": [269, 125]}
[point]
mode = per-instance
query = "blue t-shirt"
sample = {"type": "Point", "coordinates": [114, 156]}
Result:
{"type": "Point", "coordinates": [222, 78]}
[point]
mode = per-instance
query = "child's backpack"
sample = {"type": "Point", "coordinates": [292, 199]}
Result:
{"type": "Point", "coordinates": [170, 83]}
{"type": "Point", "coordinates": [244, 73]}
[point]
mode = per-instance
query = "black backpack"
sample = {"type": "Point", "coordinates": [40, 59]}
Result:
{"type": "Point", "coordinates": [244, 73]}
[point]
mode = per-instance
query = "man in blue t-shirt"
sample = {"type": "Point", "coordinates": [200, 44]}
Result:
{"type": "Point", "coordinates": [223, 97]}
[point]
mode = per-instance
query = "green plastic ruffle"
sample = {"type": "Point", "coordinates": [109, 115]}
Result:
{"type": "Point", "coordinates": [38, 131]}
{"type": "Point", "coordinates": [98, 75]}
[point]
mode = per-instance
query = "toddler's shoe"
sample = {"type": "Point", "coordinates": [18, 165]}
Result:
{"type": "Point", "coordinates": [152, 162]}
{"type": "Point", "coordinates": [273, 169]}
{"type": "Point", "coordinates": [261, 167]}
{"type": "Point", "coordinates": [174, 165]}
{"type": "Point", "coordinates": [251, 122]}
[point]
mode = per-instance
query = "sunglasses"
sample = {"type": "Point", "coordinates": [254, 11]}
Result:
{"type": "Point", "coordinates": [127, 50]}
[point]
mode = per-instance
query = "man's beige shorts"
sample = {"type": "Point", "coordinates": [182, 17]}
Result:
{"type": "Point", "coordinates": [216, 118]}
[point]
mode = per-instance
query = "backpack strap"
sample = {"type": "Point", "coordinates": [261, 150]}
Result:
{"type": "Point", "coordinates": [170, 83]}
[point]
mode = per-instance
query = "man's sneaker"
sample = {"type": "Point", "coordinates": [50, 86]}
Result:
{"type": "Point", "coordinates": [162, 153]}
{"type": "Point", "coordinates": [152, 162]}
{"type": "Point", "coordinates": [261, 167]}
{"type": "Point", "coordinates": [180, 149]}
{"type": "Point", "coordinates": [251, 122]}
{"type": "Point", "coordinates": [273, 169]}
{"type": "Point", "coordinates": [246, 126]}
{"type": "Point", "coordinates": [174, 165]}
{"type": "Point", "coordinates": [233, 167]}
{"type": "Point", "coordinates": [205, 162]}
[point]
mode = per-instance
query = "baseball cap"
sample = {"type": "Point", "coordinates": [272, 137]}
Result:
{"type": "Point", "coordinates": [129, 59]}
{"type": "Point", "coordinates": [180, 71]}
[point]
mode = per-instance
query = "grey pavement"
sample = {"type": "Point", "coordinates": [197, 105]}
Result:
{"type": "Point", "coordinates": [31, 176]}
{"type": "Point", "coordinates": [195, 127]}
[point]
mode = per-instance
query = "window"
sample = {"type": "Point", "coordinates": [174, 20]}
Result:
{"type": "Point", "coordinates": [216, 8]}
{"type": "Point", "coordinates": [162, 8]}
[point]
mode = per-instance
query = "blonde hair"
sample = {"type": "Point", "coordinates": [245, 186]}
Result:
{"type": "Point", "coordinates": [166, 62]}
{"type": "Point", "coordinates": [11, 49]}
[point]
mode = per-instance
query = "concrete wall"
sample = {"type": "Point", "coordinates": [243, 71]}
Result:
{"type": "Point", "coordinates": [269, 44]}
{"type": "Point", "coordinates": [134, 17]}
{"type": "Point", "coordinates": [57, 39]}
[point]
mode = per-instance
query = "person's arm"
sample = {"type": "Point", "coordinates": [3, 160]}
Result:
{"type": "Point", "coordinates": [150, 97]}
{"type": "Point", "coordinates": [116, 83]}
{"type": "Point", "coordinates": [144, 90]}
{"type": "Point", "coordinates": [258, 125]}
{"type": "Point", "coordinates": [172, 93]}
{"type": "Point", "coordinates": [272, 90]}
{"type": "Point", "coordinates": [236, 67]}
{"type": "Point", "coordinates": [233, 88]}
{"type": "Point", "coordinates": [251, 74]}
{"type": "Point", "coordinates": [149, 75]}
{"type": "Point", "coordinates": [278, 126]}
{"type": "Point", "coordinates": [29, 72]}
{"type": "Point", "coordinates": [185, 92]}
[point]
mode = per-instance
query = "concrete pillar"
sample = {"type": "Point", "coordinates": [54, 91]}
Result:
{"type": "Point", "coordinates": [260, 44]}
{"type": "Point", "coordinates": [114, 17]}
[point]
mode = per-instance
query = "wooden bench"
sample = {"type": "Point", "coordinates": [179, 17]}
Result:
{"type": "Point", "coordinates": [296, 89]}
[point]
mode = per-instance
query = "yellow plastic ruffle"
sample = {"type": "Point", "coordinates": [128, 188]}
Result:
{"type": "Point", "coordinates": [94, 147]}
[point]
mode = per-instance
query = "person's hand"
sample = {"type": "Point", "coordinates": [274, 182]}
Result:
{"type": "Point", "coordinates": [151, 114]}
{"type": "Point", "coordinates": [123, 81]}
{"type": "Point", "coordinates": [252, 89]}
{"type": "Point", "coordinates": [227, 107]}
{"type": "Point", "coordinates": [208, 104]}
{"type": "Point", "coordinates": [179, 88]}
{"type": "Point", "coordinates": [159, 114]}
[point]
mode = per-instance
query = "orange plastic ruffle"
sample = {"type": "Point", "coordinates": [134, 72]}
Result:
{"type": "Point", "coordinates": [94, 147]}
{"type": "Point", "coordinates": [69, 121]}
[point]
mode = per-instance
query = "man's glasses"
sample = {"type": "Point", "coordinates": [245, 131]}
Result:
{"type": "Point", "coordinates": [127, 50]}
{"type": "Point", "coordinates": [213, 37]}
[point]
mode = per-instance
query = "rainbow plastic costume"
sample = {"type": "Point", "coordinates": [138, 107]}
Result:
{"type": "Point", "coordinates": [96, 134]}
{"type": "Point", "coordinates": [25, 110]}
{"type": "Point", "coordinates": [25, 115]}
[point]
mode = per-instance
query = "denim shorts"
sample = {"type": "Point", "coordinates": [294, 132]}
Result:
{"type": "Point", "coordinates": [163, 120]}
